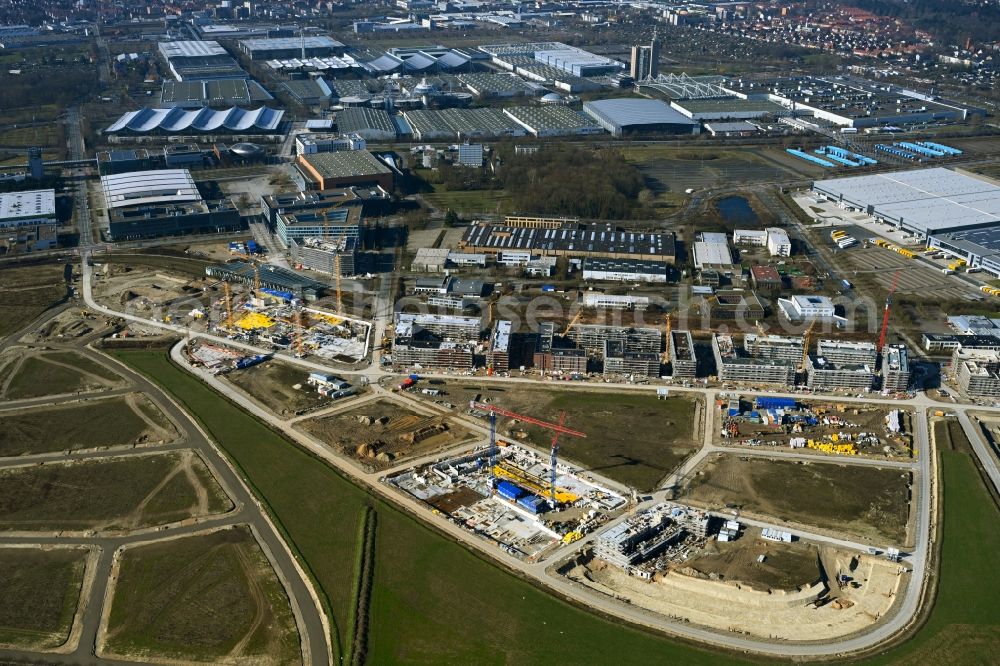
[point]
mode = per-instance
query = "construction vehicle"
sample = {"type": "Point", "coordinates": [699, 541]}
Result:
{"type": "Point", "coordinates": [572, 323]}
{"type": "Point", "coordinates": [555, 428]}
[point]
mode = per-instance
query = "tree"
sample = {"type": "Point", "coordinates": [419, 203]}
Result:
{"type": "Point", "coordinates": [451, 218]}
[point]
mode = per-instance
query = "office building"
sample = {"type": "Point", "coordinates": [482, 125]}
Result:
{"type": "Point", "coordinates": [625, 270]}
{"type": "Point", "coordinates": [446, 327]}
{"type": "Point", "coordinates": [329, 225]}
{"type": "Point", "coordinates": [645, 63]}
{"type": "Point", "coordinates": [596, 299]}
{"type": "Point", "coordinates": [28, 221]}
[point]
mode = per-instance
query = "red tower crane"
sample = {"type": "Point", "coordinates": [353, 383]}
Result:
{"type": "Point", "coordinates": [885, 313]}
{"type": "Point", "coordinates": [556, 429]}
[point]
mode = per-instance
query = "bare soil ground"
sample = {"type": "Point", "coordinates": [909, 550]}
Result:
{"type": "Point", "coordinates": [206, 598]}
{"type": "Point", "coordinates": [272, 383]}
{"type": "Point", "coordinates": [381, 431]}
{"type": "Point", "coordinates": [26, 292]}
{"type": "Point", "coordinates": [786, 565]}
{"type": "Point", "coordinates": [862, 502]}
{"type": "Point", "coordinates": [35, 374]}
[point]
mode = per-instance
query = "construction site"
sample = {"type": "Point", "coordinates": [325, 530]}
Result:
{"type": "Point", "coordinates": [684, 563]}
{"type": "Point", "coordinates": [524, 502]}
{"type": "Point", "coordinates": [252, 302]}
{"type": "Point", "coordinates": [379, 432]}
{"type": "Point", "coordinates": [837, 429]}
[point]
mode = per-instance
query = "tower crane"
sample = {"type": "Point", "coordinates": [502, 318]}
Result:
{"type": "Point", "coordinates": [572, 322]}
{"type": "Point", "coordinates": [229, 304]}
{"type": "Point", "coordinates": [555, 428]}
{"type": "Point", "coordinates": [885, 313]}
{"type": "Point", "coordinates": [666, 341]}
{"type": "Point", "coordinates": [806, 337]}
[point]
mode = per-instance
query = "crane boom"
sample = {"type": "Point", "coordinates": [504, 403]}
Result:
{"type": "Point", "coordinates": [527, 419]}
{"type": "Point", "coordinates": [885, 313]}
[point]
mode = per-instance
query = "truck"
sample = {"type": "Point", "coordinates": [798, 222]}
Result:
{"type": "Point", "coordinates": [252, 247]}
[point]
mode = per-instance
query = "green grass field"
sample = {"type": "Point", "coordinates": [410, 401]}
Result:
{"type": "Point", "coordinates": [39, 592]}
{"type": "Point", "coordinates": [473, 202]}
{"type": "Point", "coordinates": [83, 363]}
{"type": "Point", "coordinates": [964, 626]}
{"type": "Point", "coordinates": [37, 378]}
{"type": "Point", "coordinates": [202, 598]}
{"type": "Point", "coordinates": [106, 493]}
{"type": "Point", "coordinates": [433, 601]}
{"type": "Point", "coordinates": [86, 425]}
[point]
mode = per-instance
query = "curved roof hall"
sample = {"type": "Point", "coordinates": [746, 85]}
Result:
{"type": "Point", "coordinates": [201, 120]}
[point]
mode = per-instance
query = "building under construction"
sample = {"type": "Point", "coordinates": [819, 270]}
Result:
{"type": "Point", "coordinates": [498, 356]}
{"type": "Point", "coordinates": [783, 347]}
{"type": "Point", "coordinates": [619, 361]}
{"type": "Point", "coordinates": [592, 337]}
{"type": "Point", "coordinates": [330, 224]}
{"type": "Point", "coordinates": [269, 277]}
{"type": "Point", "coordinates": [326, 256]}
{"type": "Point", "coordinates": [734, 364]}
{"type": "Point", "coordinates": [683, 362]}
{"type": "Point", "coordinates": [895, 369]}
{"type": "Point", "coordinates": [549, 358]}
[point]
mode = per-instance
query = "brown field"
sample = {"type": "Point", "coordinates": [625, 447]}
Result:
{"type": "Point", "coordinates": [863, 502]}
{"type": "Point", "coordinates": [379, 432]}
{"type": "Point", "coordinates": [272, 383]}
{"type": "Point", "coordinates": [787, 565]}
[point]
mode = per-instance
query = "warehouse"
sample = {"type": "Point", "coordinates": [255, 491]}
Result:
{"type": "Point", "coordinates": [639, 116]}
{"type": "Point", "coordinates": [149, 204]}
{"type": "Point", "coordinates": [554, 54]}
{"type": "Point", "coordinates": [220, 93]}
{"type": "Point", "coordinates": [369, 124]}
{"type": "Point", "coordinates": [312, 46]}
{"type": "Point", "coordinates": [495, 85]}
{"type": "Point", "coordinates": [326, 171]}
{"type": "Point", "coordinates": [462, 124]}
{"type": "Point", "coordinates": [711, 251]}
{"type": "Point", "coordinates": [925, 202]}
{"type": "Point", "coordinates": [542, 121]}
{"type": "Point", "coordinates": [200, 60]}
{"type": "Point", "coordinates": [727, 109]}
{"type": "Point", "coordinates": [308, 92]}
{"type": "Point", "coordinates": [590, 241]}
{"type": "Point", "coordinates": [28, 220]}
{"type": "Point", "coordinates": [625, 270]}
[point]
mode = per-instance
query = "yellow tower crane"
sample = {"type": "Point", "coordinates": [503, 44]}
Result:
{"type": "Point", "coordinates": [806, 337]}
{"type": "Point", "coordinates": [666, 340]}
{"type": "Point", "coordinates": [572, 323]}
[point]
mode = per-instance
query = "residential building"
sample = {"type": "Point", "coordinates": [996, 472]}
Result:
{"type": "Point", "coordinates": [617, 361]}
{"type": "Point", "coordinates": [591, 337]}
{"type": "Point", "coordinates": [895, 369]}
{"type": "Point", "coordinates": [733, 366]}
{"type": "Point", "coordinates": [977, 372]}
{"type": "Point", "coordinates": [447, 327]}
{"type": "Point", "coordinates": [683, 361]}
{"type": "Point", "coordinates": [782, 347]}
{"type": "Point", "coordinates": [498, 356]}
{"type": "Point", "coordinates": [846, 352]}
{"type": "Point", "coordinates": [825, 375]}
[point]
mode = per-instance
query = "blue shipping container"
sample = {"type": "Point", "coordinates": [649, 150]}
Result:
{"type": "Point", "coordinates": [532, 503]}
{"type": "Point", "coordinates": [509, 490]}
{"type": "Point", "coordinates": [252, 247]}
{"type": "Point", "coordinates": [548, 287]}
{"type": "Point", "coordinates": [768, 402]}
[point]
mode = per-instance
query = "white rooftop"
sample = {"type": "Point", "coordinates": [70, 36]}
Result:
{"type": "Point", "coordinates": [928, 200]}
{"type": "Point", "coordinates": [191, 49]}
{"type": "Point", "coordinates": [35, 203]}
{"type": "Point", "coordinates": [711, 254]}
{"type": "Point", "coordinates": [139, 188]}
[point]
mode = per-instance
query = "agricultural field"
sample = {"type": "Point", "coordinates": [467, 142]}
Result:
{"type": "Point", "coordinates": [123, 493]}
{"type": "Point", "coordinates": [637, 440]}
{"type": "Point", "coordinates": [433, 601]}
{"type": "Point", "coordinates": [130, 420]}
{"type": "Point", "coordinates": [208, 598]}
{"type": "Point", "coordinates": [27, 292]}
{"type": "Point", "coordinates": [864, 502]}
{"type": "Point", "coordinates": [39, 593]}
{"type": "Point", "coordinates": [380, 432]}
{"type": "Point", "coordinates": [273, 383]}
{"type": "Point", "coordinates": [38, 374]}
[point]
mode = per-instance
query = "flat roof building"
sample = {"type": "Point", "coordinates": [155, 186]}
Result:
{"type": "Point", "coordinates": [217, 93]}
{"type": "Point", "coordinates": [592, 337]}
{"type": "Point", "coordinates": [498, 356]}
{"type": "Point", "coordinates": [589, 241]}
{"type": "Point", "coordinates": [617, 361]}
{"type": "Point", "coordinates": [782, 347]}
{"type": "Point", "coordinates": [977, 372]}
{"type": "Point", "coordinates": [324, 171]}
{"type": "Point", "coordinates": [329, 225]}
{"type": "Point", "coordinates": [921, 201]}
{"type": "Point", "coordinates": [711, 251]}
{"type": "Point", "coordinates": [683, 360]}
{"type": "Point", "coordinates": [625, 270]}
{"type": "Point", "coordinates": [28, 221]}
{"type": "Point", "coordinates": [278, 48]}
{"type": "Point", "coordinates": [826, 375]}
{"type": "Point", "coordinates": [895, 369]}
{"type": "Point", "coordinates": [639, 116]}
{"type": "Point", "coordinates": [270, 277]}
{"type": "Point", "coordinates": [733, 366]}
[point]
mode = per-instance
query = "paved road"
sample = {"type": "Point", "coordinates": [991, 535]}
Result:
{"type": "Point", "coordinates": [980, 446]}
{"type": "Point", "coordinates": [917, 559]}
{"type": "Point", "coordinates": [309, 615]}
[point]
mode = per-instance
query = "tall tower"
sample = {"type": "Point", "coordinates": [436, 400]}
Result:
{"type": "Point", "coordinates": [35, 165]}
{"type": "Point", "coordinates": [654, 55]}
